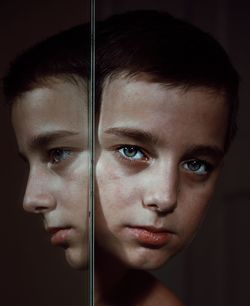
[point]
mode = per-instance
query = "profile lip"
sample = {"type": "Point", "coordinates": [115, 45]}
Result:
{"type": "Point", "coordinates": [59, 235]}
{"type": "Point", "coordinates": [53, 229]}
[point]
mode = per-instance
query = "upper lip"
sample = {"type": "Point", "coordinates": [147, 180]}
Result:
{"type": "Point", "coordinates": [53, 229]}
{"type": "Point", "coordinates": [151, 228]}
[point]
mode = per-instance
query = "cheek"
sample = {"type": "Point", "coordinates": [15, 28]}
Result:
{"type": "Point", "coordinates": [111, 197]}
{"type": "Point", "coordinates": [115, 190]}
{"type": "Point", "coordinates": [109, 185]}
{"type": "Point", "coordinates": [193, 205]}
{"type": "Point", "coordinates": [115, 195]}
{"type": "Point", "coordinates": [74, 187]}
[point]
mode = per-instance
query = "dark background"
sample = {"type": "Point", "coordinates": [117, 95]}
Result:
{"type": "Point", "coordinates": [33, 273]}
{"type": "Point", "coordinates": [214, 270]}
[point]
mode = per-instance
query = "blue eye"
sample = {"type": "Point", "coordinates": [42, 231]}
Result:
{"type": "Point", "coordinates": [58, 155]}
{"type": "Point", "coordinates": [131, 152]}
{"type": "Point", "coordinates": [197, 166]}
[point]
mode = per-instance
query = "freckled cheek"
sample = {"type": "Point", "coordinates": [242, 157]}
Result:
{"type": "Point", "coordinates": [78, 173]}
{"type": "Point", "coordinates": [114, 186]}
{"type": "Point", "coordinates": [107, 177]}
{"type": "Point", "coordinates": [73, 190]}
{"type": "Point", "coordinates": [116, 197]}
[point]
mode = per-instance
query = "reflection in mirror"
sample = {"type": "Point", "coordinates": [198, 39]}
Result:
{"type": "Point", "coordinates": [167, 110]}
{"type": "Point", "coordinates": [46, 90]}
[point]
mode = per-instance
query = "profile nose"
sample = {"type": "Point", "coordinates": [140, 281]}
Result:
{"type": "Point", "coordinates": [38, 197]}
{"type": "Point", "coordinates": [161, 191]}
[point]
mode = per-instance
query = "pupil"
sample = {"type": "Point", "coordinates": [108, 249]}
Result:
{"type": "Point", "coordinates": [130, 151]}
{"type": "Point", "coordinates": [57, 155]}
{"type": "Point", "coordinates": [195, 165]}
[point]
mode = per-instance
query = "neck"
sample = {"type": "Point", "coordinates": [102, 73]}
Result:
{"type": "Point", "coordinates": [116, 284]}
{"type": "Point", "coordinates": [109, 274]}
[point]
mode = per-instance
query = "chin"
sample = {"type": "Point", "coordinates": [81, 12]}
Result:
{"type": "Point", "coordinates": [76, 259]}
{"type": "Point", "coordinates": [146, 259]}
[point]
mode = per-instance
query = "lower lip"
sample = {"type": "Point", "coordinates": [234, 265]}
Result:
{"type": "Point", "coordinates": [60, 237]}
{"type": "Point", "coordinates": [151, 238]}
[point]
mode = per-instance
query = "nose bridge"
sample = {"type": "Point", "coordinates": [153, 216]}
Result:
{"type": "Point", "coordinates": [38, 197]}
{"type": "Point", "coordinates": [161, 192]}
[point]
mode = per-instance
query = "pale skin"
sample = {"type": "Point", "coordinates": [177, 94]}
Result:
{"type": "Point", "coordinates": [51, 128]}
{"type": "Point", "coordinates": [161, 152]}
{"type": "Point", "coordinates": [153, 186]}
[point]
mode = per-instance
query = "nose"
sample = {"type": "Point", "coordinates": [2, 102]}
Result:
{"type": "Point", "coordinates": [161, 189]}
{"type": "Point", "coordinates": [38, 197]}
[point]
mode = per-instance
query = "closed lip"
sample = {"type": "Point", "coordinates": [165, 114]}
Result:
{"type": "Point", "coordinates": [150, 236]}
{"type": "Point", "coordinates": [151, 228]}
{"type": "Point", "coordinates": [59, 235]}
{"type": "Point", "coordinates": [53, 229]}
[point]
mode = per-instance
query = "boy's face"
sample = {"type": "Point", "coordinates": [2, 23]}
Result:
{"type": "Point", "coordinates": [161, 154]}
{"type": "Point", "coordinates": [51, 130]}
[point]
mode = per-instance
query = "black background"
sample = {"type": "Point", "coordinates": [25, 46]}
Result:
{"type": "Point", "coordinates": [32, 272]}
{"type": "Point", "coordinates": [215, 269]}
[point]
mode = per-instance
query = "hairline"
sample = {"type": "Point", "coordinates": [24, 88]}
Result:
{"type": "Point", "coordinates": [126, 74]}
{"type": "Point", "coordinates": [47, 80]}
{"type": "Point", "coordinates": [167, 84]}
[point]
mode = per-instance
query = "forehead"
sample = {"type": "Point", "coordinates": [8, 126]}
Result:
{"type": "Point", "coordinates": [56, 106]}
{"type": "Point", "coordinates": [57, 100]}
{"type": "Point", "coordinates": [155, 107]}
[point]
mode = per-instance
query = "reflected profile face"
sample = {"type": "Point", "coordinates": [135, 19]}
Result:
{"type": "Point", "coordinates": [51, 128]}
{"type": "Point", "coordinates": [161, 150]}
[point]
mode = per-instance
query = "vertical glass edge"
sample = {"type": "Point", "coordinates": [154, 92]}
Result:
{"type": "Point", "coordinates": [91, 139]}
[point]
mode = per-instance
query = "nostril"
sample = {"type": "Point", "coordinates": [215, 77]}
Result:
{"type": "Point", "coordinates": [40, 209]}
{"type": "Point", "coordinates": [161, 204]}
{"type": "Point", "coordinates": [39, 203]}
{"type": "Point", "coordinates": [161, 192]}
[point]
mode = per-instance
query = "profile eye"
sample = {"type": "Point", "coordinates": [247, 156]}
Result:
{"type": "Point", "coordinates": [57, 155]}
{"type": "Point", "coordinates": [131, 152]}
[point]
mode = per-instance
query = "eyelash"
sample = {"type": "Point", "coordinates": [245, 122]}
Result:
{"type": "Point", "coordinates": [56, 160]}
{"type": "Point", "coordinates": [208, 167]}
{"type": "Point", "coordinates": [121, 153]}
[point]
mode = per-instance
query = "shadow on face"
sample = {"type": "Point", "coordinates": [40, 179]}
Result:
{"type": "Point", "coordinates": [50, 124]}
{"type": "Point", "coordinates": [161, 151]}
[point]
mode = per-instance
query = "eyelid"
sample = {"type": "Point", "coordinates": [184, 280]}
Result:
{"type": "Point", "coordinates": [53, 150]}
{"type": "Point", "coordinates": [204, 163]}
{"type": "Point", "coordinates": [131, 159]}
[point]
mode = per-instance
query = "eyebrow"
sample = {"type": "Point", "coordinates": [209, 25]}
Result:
{"type": "Point", "coordinates": [135, 134]}
{"type": "Point", "coordinates": [148, 138]}
{"type": "Point", "coordinates": [205, 150]}
{"type": "Point", "coordinates": [46, 138]}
